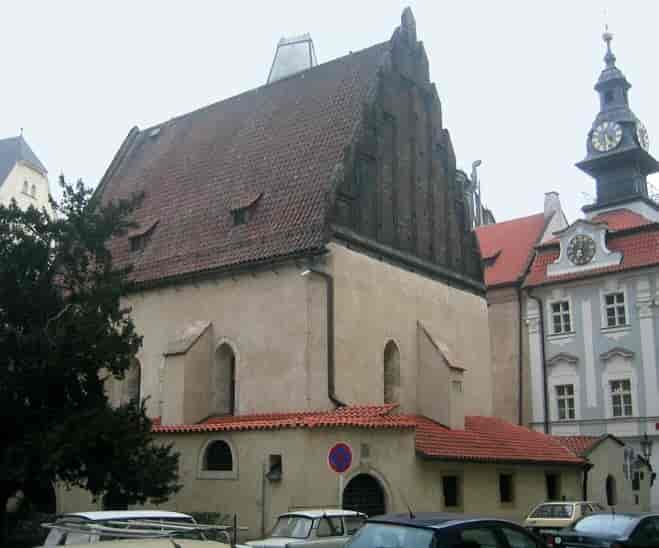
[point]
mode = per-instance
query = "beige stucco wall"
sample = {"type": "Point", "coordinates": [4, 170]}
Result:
{"type": "Point", "coordinates": [608, 458]}
{"type": "Point", "coordinates": [503, 313]}
{"type": "Point", "coordinates": [275, 322]}
{"type": "Point", "coordinates": [13, 188]}
{"type": "Point", "coordinates": [307, 480]}
{"type": "Point", "coordinates": [376, 302]}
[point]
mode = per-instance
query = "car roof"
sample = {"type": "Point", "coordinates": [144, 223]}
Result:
{"type": "Point", "coordinates": [317, 513]}
{"type": "Point", "coordinates": [125, 514]}
{"type": "Point", "coordinates": [433, 520]}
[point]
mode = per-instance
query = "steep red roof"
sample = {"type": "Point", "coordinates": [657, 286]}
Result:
{"type": "Point", "coordinates": [639, 248]}
{"type": "Point", "coordinates": [484, 439]}
{"type": "Point", "coordinates": [579, 445]}
{"type": "Point", "coordinates": [621, 219]}
{"type": "Point", "coordinates": [507, 247]}
{"type": "Point", "coordinates": [272, 149]}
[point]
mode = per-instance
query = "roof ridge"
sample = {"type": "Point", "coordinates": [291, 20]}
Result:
{"type": "Point", "coordinates": [263, 86]}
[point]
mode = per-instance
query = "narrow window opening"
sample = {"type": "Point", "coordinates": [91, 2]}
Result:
{"type": "Point", "coordinates": [553, 486]}
{"type": "Point", "coordinates": [240, 216]}
{"type": "Point", "coordinates": [451, 491]}
{"type": "Point", "coordinates": [608, 97]}
{"type": "Point", "coordinates": [391, 373]}
{"type": "Point", "coordinates": [506, 488]}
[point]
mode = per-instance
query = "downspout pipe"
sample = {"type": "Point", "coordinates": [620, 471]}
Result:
{"type": "Point", "coordinates": [329, 285]}
{"type": "Point", "coordinates": [520, 358]}
{"type": "Point", "coordinates": [543, 357]}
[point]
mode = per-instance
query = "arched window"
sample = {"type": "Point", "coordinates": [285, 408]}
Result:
{"type": "Point", "coordinates": [611, 493]}
{"type": "Point", "coordinates": [218, 457]}
{"type": "Point", "coordinates": [34, 191]}
{"type": "Point", "coordinates": [25, 187]}
{"type": "Point", "coordinates": [223, 381]}
{"type": "Point", "coordinates": [391, 373]}
{"type": "Point", "coordinates": [132, 382]}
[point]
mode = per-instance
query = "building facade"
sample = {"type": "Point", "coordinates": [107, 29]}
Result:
{"type": "Point", "coordinates": [302, 269]}
{"type": "Point", "coordinates": [593, 292]}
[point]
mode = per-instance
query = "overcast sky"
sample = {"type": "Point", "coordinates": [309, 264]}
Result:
{"type": "Point", "coordinates": [515, 77]}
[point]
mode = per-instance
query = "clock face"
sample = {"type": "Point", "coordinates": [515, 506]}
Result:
{"type": "Point", "coordinates": [581, 249]}
{"type": "Point", "coordinates": [642, 135]}
{"type": "Point", "coordinates": [606, 136]}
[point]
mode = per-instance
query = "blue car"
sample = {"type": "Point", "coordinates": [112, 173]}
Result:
{"type": "Point", "coordinates": [611, 530]}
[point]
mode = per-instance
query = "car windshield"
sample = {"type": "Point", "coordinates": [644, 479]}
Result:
{"type": "Point", "coordinates": [605, 524]}
{"type": "Point", "coordinates": [561, 511]}
{"type": "Point", "coordinates": [292, 526]}
{"type": "Point", "coordinates": [381, 535]}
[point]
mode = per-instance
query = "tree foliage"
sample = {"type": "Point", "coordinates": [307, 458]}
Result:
{"type": "Point", "coordinates": [63, 331]}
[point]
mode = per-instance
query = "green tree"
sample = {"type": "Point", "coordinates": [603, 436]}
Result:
{"type": "Point", "coordinates": [63, 331]}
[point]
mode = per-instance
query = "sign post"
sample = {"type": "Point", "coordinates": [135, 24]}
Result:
{"type": "Point", "coordinates": [339, 459]}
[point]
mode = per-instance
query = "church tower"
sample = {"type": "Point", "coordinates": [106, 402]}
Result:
{"type": "Point", "coordinates": [617, 147]}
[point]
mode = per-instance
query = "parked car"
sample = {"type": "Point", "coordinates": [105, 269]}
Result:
{"type": "Point", "coordinates": [442, 531]}
{"type": "Point", "coordinates": [157, 543]}
{"type": "Point", "coordinates": [609, 530]}
{"type": "Point", "coordinates": [74, 528]}
{"type": "Point", "coordinates": [548, 518]}
{"type": "Point", "coordinates": [328, 528]}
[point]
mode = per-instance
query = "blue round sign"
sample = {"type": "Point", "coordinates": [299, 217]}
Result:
{"type": "Point", "coordinates": [339, 457]}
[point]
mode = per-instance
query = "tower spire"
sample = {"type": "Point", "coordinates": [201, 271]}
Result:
{"type": "Point", "coordinates": [609, 58]}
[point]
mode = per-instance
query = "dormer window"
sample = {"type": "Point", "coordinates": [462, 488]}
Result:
{"type": "Point", "coordinates": [243, 207]}
{"type": "Point", "coordinates": [240, 216]}
{"type": "Point", "coordinates": [139, 237]}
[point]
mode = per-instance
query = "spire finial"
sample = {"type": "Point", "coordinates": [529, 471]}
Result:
{"type": "Point", "coordinates": [609, 58]}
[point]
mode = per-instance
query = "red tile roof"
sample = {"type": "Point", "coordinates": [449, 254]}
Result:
{"type": "Point", "coordinates": [279, 142]}
{"type": "Point", "coordinates": [484, 439]}
{"type": "Point", "coordinates": [579, 445]}
{"type": "Point", "coordinates": [507, 247]}
{"type": "Point", "coordinates": [488, 439]}
{"type": "Point", "coordinates": [621, 219]}
{"type": "Point", "coordinates": [639, 248]}
{"type": "Point", "coordinates": [360, 416]}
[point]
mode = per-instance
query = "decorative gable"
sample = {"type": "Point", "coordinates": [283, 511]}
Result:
{"type": "Point", "coordinates": [583, 248]}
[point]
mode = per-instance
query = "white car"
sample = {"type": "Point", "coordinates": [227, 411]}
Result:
{"type": "Point", "coordinates": [329, 528]}
{"type": "Point", "coordinates": [87, 527]}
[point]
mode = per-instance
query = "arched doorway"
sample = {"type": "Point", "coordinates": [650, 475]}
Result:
{"type": "Point", "coordinates": [223, 380]}
{"type": "Point", "coordinates": [364, 494]}
{"type": "Point", "coordinates": [611, 493]}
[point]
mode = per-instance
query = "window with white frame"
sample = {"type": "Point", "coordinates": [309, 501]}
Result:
{"type": "Point", "coordinates": [614, 309]}
{"type": "Point", "coordinates": [565, 401]}
{"type": "Point", "coordinates": [621, 398]}
{"type": "Point", "coordinates": [560, 317]}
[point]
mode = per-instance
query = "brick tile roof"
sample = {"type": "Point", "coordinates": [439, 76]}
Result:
{"type": "Point", "coordinates": [279, 142]}
{"type": "Point", "coordinates": [579, 445]}
{"type": "Point", "coordinates": [639, 247]}
{"type": "Point", "coordinates": [484, 439]}
{"type": "Point", "coordinates": [507, 247]}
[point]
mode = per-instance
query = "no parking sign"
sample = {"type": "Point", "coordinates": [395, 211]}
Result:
{"type": "Point", "coordinates": [339, 457]}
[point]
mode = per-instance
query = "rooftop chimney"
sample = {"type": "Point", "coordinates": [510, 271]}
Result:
{"type": "Point", "coordinates": [552, 203]}
{"type": "Point", "coordinates": [293, 55]}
